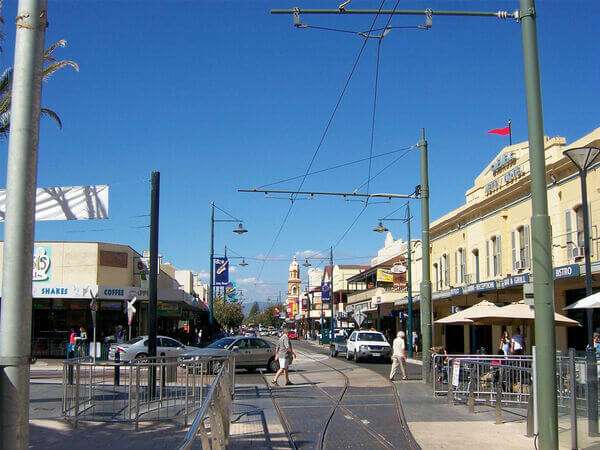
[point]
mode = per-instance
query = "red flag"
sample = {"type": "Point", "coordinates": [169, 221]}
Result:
{"type": "Point", "coordinates": [501, 131]}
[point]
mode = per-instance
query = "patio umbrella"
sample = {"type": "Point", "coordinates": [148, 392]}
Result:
{"type": "Point", "coordinates": [518, 313]}
{"type": "Point", "coordinates": [464, 316]}
{"type": "Point", "coordinates": [592, 301]}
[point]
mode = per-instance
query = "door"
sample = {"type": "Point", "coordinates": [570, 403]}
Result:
{"type": "Point", "coordinates": [260, 352]}
{"type": "Point", "coordinates": [172, 347]}
{"type": "Point", "coordinates": [351, 342]}
{"type": "Point", "coordinates": [242, 354]}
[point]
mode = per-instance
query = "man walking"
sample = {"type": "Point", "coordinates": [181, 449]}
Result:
{"type": "Point", "coordinates": [399, 356]}
{"type": "Point", "coordinates": [284, 354]}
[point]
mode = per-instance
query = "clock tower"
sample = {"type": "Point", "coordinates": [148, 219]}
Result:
{"type": "Point", "coordinates": [293, 289]}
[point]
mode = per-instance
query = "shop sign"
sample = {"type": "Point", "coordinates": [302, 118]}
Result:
{"type": "Point", "coordinates": [41, 263]}
{"type": "Point", "coordinates": [108, 305]}
{"type": "Point", "coordinates": [480, 287]}
{"type": "Point", "coordinates": [502, 161]}
{"type": "Point", "coordinates": [168, 309]}
{"type": "Point", "coordinates": [398, 268]}
{"type": "Point", "coordinates": [118, 292]}
{"type": "Point", "coordinates": [456, 291]}
{"type": "Point", "coordinates": [60, 291]}
{"type": "Point", "coordinates": [515, 280]}
{"type": "Point", "coordinates": [572, 270]}
{"type": "Point", "coordinates": [221, 271]}
{"type": "Point", "coordinates": [113, 259]}
{"type": "Point", "coordinates": [385, 276]}
{"type": "Point", "coordinates": [295, 308]}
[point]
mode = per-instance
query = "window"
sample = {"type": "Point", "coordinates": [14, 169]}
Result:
{"type": "Point", "coordinates": [460, 266]}
{"type": "Point", "coordinates": [436, 276]}
{"type": "Point", "coordinates": [166, 342]}
{"type": "Point", "coordinates": [579, 226]}
{"type": "Point", "coordinates": [494, 256]}
{"type": "Point", "coordinates": [446, 267]}
{"type": "Point", "coordinates": [259, 343]}
{"type": "Point", "coordinates": [574, 234]}
{"type": "Point", "coordinates": [520, 248]}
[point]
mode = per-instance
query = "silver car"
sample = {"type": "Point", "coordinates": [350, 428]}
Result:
{"type": "Point", "coordinates": [250, 352]}
{"type": "Point", "coordinates": [138, 348]}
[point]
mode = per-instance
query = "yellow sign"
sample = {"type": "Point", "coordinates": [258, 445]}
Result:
{"type": "Point", "coordinates": [295, 308]}
{"type": "Point", "coordinates": [385, 276]}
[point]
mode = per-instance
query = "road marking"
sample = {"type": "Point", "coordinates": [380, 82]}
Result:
{"type": "Point", "coordinates": [347, 417]}
{"type": "Point", "coordinates": [365, 421]}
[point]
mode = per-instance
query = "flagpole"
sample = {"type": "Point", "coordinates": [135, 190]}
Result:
{"type": "Point", "coordinates": [509, 133]}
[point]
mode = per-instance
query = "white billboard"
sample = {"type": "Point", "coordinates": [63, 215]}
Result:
{"type": "Point", "coordinates": [67, 203]}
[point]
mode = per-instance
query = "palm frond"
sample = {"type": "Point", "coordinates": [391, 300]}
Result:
{"type": "Point", "coordinates": [5, 102]}
{"type": "Point", "coordinates": [49, 70]}
{"type": "Point", "coordinates": [49, 50]}
{"type": "Point", "coordinates": [6, 80]}
{"type": "Point", "coordinates": [50, 113]}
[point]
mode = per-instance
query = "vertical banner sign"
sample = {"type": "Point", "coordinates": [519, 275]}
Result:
{"type": "Point", "coordinates": [455, 372]}
{"type": "Point", "coordinates": [221, 271]}
{"type": "Point", "coordinates": [325, 292]}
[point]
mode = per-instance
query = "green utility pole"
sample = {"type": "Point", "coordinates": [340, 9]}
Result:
{"type": "Point", "coordinates": [21, 181]}
{"type": "Point", "coordinates": [409, 284]}
{"type": "Point", "coordinates": [153, 279]}
{"type": "Point", "coordinates": [426, 334]}
{"type": "Point", "coordinates": [543, 282]}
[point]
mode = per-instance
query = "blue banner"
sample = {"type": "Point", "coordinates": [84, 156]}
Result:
{"type": "Point", "coordinates": [221, 271]}
{"type": "Point", "coordinates": [572, 270]}
{"type": "Point", "coordinates": [325, 292]}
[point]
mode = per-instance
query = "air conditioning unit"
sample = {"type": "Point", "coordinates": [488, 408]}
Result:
{"type": "Point", "coordinates": [578, 252]}
{"type": "Point", "coordinates": [519, 265]}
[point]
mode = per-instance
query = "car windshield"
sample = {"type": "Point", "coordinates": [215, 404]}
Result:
{"type": "Point", "coordinates": [134, 340]}
{"type": "Point", "coordinates": [221, 343]}
{"type": "Point", "coordinates": [376, 337]}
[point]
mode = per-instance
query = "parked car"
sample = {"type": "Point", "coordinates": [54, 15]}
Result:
{"type": "Point", "coordinates": [274, 333]}
{"type": "Point", "coordinates": [293, 334]}
{"type": "Point", "coordinates": [138, 348]}
{"type": "Point", "coordinates": [250, 333]}
{"type": "Point", "coordinates": [368, 344]}
{"type": "Point", "coordinates": [250, 352]}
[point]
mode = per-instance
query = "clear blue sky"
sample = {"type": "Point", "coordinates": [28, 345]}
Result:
{"type": "Point", "coordinates": [222, 95]}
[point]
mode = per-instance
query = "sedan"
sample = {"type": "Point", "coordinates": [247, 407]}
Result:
{"type": "Point", "coordinates": [250, 352]}
{"type": "Point", "coordinates": [138, 348]}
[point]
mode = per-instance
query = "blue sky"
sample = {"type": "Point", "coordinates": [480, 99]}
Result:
{"type": "Point", "coordinates": [222, 95]}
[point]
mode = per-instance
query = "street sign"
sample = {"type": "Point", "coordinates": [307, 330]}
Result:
{"type": "Point", "coordinates": [325, 292]}
{"type": "Point", "coordinates": [455, 372]}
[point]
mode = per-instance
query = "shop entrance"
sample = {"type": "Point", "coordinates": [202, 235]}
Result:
{"type": "Point", "coordinates": [455, 339]}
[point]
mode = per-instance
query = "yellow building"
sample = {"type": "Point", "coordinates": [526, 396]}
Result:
{"type": "Point", "coordinates": [482, 250]}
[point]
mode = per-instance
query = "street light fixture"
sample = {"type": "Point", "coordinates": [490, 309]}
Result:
{"type": "Point", "coordinates": [583, 158]}
{"type": "Point", "coordinates": [380, 228]}
{"type": "Point", "coordinates": [239, 230]}
{"type": "Point", "coordinates": [243, 263]}
{"type": "Point", "coordinates": [307, 264]}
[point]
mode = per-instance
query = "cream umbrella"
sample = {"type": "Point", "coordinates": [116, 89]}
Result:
{"type": "Point", "coordinates": [591, 301]}
{"type": "Point", "coordinates": [518, 313]}
{"type": "Point", "coordinates": [464, 316]}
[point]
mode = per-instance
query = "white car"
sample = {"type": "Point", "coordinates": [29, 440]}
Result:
{"type": "Point", "coordinates": [138, 348]}
{"type": "Point", "coordinates": [368, 344]}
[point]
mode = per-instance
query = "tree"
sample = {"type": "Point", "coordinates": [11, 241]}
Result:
{"type": "Point", "coordinates": [228, 313]}
{"type": "Point", "coordinates": [51, 65]}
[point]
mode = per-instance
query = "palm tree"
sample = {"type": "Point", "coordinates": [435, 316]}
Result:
{"type": "Point", "coordinates": [51, 65]}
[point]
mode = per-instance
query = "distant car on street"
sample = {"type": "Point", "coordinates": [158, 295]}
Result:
{"type": "Point", "coordinates": [293, 334]}
{"type": "Point", "coordinates": [250, 352]}
{"type": "Point", "coordinates": [137, 348]}
{"type": "Point", "coordinates": [250, 333]}
{"type": "Point", "coordinates": [368, 344]}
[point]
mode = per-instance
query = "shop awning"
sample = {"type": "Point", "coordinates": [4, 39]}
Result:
{"type": "Point", "coordinates": [465, 316]}
{"type": "Point", "coordinates": [518, 313]}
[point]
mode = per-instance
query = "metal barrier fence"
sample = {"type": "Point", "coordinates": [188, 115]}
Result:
{"type": "Point", "coordinates": [151, 389]}
{"type": "Point", "coordinates": [216, 413]}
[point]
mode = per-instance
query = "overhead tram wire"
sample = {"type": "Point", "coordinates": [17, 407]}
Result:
{"type": "Point", "coordinates": [338, 166]}
{"type": "Point", "coordinates": [386, 167]}
{"type": "Point", "coordinates": [329, 122]}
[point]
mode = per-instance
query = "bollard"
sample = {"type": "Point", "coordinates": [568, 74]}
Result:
{"type": "Point", "coordinates": [450, 384]}
{"type": "Point", "coordinates": [573, 400]}
{"type": "Point", "coordinates": [499, 398]}
{"type": "Point", "coordinates": [70, 373]}
{"type": "Point", "coordinates": [592, 392]}
{"type": "Point", "coordinates": [530, 417]}
{"type": "Point", "coordinates": [471, 400]}
{"type": "Point", "coordinates": [117, 368]}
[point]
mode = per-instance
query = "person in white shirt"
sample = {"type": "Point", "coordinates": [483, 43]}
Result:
{"type": "Point", "coordinates": [399, 356]}
{"type": "Point", "coordinates": [516, 343]}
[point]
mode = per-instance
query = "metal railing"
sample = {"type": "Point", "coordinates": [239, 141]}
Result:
{"type": "Point", "coordinates": [216, 413]}
{"type": "Point", "coordinates": [151, 389]}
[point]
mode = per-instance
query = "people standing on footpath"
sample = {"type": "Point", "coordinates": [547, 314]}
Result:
{"type": "Point", "coordinates": [415, 341]}
{"type": "Point", "coordinates": [399, 356]}
{"type": "Point", "coordinates": [516, 343]}
{"type": "Point", "coordinates": [505, 343]}
{"type": "Point", "coordinates": [72, 342]}
{"type": "Point", "coordinates": [285, 355]}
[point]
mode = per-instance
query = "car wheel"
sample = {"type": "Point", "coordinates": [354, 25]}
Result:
{"type": "Point", "coordinates": [348, 354]}
{"type": "Point", "coordinates": [273, 365]}
{"type": "Point", "coordinates": [356, 358]}
{"type": "Point", "coordinates": [140, 356]}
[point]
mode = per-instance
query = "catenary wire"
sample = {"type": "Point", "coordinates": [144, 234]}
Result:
{"type": "Point", "coordinates": [329, 122]}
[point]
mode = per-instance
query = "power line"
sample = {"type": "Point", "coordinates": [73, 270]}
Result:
{"type": "Point", "coordinates": [329, 122]}
{"type": "Point", "coordinates": [386, 167]}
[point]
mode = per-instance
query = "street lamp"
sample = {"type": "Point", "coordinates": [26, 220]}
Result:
{"type": "Point", "coordinates": [239, 230]}
{"type": "Point", "coordinates": [243, 263]}
{"type": "Point", "coordinates": [381, 229]}
{"type": "Point", "coordinates": [583, 158]}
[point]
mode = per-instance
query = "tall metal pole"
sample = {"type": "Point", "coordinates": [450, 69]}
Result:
{"type": "Point", "coordinates": [153, 278]}
{"type": "Point", "coordinates": [586, 251]}
{"type": "Point", "coordinates": [541, 230]}
{"type": "Point", "coordinates": [212, 256]}
{"type": "Point", "coordinates": [21, 180]}
{"type": "Point", "coordinates": [426, 281]}
{"type": "Point", "coordinates": [332, 294]}
{"type": "Point", "coordinates": [409, 284]}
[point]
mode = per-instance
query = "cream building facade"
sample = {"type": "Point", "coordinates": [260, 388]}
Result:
{"type": "Point", "coordinates": [482, 250]}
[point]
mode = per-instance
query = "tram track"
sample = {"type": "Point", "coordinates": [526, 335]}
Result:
{"type": "Point", "coordinates": [337, 406]}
